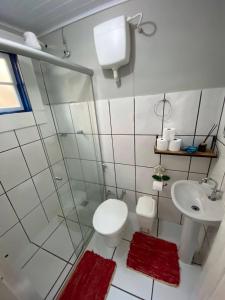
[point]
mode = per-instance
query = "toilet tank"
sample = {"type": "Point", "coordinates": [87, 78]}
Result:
{"type": "Point", "coordinates": [112, 43]}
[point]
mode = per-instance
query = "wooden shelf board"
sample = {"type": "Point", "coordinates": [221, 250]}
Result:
{"type": "Point", "coordinates": [208, 153]}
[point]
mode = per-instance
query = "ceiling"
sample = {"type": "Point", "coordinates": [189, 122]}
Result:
{"type": "Point", "coordinates": [44, 16]}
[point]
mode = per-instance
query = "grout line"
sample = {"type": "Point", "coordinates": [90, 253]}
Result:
{"type": "Point", "coordinates": [153, 283]}
{"type": "Point", "coordinates": [113, 252]}
{"type": "Point", "coordinates": [220, 116]}
{"type": "Point", "coordinates": [196, 123]}
{"type": "Point", "coordinates": [127, 292]}
{"type": "Point", "coordinates": [135, 158]}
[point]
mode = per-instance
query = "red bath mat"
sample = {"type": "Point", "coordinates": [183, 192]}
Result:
{"type": "Point", "coordinates": [90, 280]}
{"type": "Point", "coordinates": [154, 257]}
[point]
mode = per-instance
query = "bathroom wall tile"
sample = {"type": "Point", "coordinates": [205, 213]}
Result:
{"type": "Point", "coordinates": [217, 166]}
{"type": "Point", "coordinates": [184, 107]}
{"type": "Point", "coordinates": [122, 115]}
{"type": "Point", "coordinates": [144, 180]}
{"type": "Point", "coordinates": [27, 135]}
{"type": "Point", "coordinates": [35, 222]}
{"type": "Point", "coordinates": [15, 236]}
{"type": "Point", "coordinates": [146, 121]}
{"type": "Point", "coordinates": [145, 151]}
{"type": "Point", "coordinates": [167, 211]}
{"type": "Point", "coordinates": [23, 198]}
{"type": "Point", "coordinates": [44, 184]}
{"type": "Point", "coordinates": [96, 140]}
{"type": "Point", "coordinates": [109, 174]}
{"type": "Point", "coordinates": [1, 189]}
{"type": "Point", "coordinates": [106, 147]}
{"type": "Point", "coordinates": [125, 176]}
{"type": "Point", "coordinates": [103, 118]}
{"type": "Point", "coordinates": [63, 118]}
{"type": "Point", "coordinates": [196, 176]}
{"type": "Point", "coordinates": [53, 149]}
{"type": "Point", "coordinates": [48, 128]}
{"type": "Point", "coordinates": [13, 168]}
{"type": "Point", "coordinates": [221, 131]}
{"type": "Point", "coordinates": [93, 117]}
{"type": "Point", "coordinates": [35, 157]}
{"type": "Point", "coordinates": [210, 109]}
{"type": "Point", "coordinates": [7, 215]}
{"type": "Point", "coordinates": [175, 162]}
{"type": "Point", "coordinates": [81, 117]}
{"type": "Point", "coordinates": [199, 164]}
{"type": "Point", "coordinates": [100, 172]}
{"type": "Point", "coordinates": [75, 169]}
{"type": "Point", "coordinates": [110, 192]}
{"type": "Point", "coordinates": [94, 196]}
{"type": "Point", "coordinates": [86, 146]}
{"type": "Point", "coordinates": [174, 176]}
{"type": "Point", "coordinates": [69, 145]}
{"type": "Point", "coordinates": [66, 199]}
{"type": "Point", "coordinates": [90, 171]}
{"type": "Point", "coordinates": [52, 206]}
{"type": "Point", "coordinates": [7, 141]}
{"type": "Point", "coordinates": [129, 199]}
{"type": "Point", "coordinates": [59, 170]}
{"type": "Point", "coordinates": [123, 146]}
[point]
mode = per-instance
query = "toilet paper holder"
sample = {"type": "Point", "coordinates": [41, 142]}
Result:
{"type": "Point", "coordinates": [160, 174]}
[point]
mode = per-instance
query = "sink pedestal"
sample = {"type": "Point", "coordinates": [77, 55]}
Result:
{"type": "Point", "coordinates": [189, 240]}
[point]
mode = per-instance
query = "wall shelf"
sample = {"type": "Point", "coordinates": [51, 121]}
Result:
{"type": "Point", "coordinates": [208, 153]}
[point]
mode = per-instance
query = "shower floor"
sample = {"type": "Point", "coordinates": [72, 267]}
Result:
{"type": "Point", "coordinates": [48, 270]}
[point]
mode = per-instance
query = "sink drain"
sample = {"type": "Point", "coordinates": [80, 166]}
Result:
{"type": "Point", "coordinates": [194, 207]}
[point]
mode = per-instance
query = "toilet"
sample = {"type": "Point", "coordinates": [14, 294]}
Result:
{"type": "Point", "coordinates": [109, 220]}
{"type": "Point", "coordinates": [146, 212]}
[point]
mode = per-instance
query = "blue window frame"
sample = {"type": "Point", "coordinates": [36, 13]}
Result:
{"type": "Point", "coordinates": [13, 93]}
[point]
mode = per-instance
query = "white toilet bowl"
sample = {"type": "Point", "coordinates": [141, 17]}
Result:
{"type": "Point", "coordinates": [109, 220]}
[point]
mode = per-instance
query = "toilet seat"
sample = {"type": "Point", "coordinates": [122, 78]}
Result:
{"type": "Point", "coordinates": [110, 216]}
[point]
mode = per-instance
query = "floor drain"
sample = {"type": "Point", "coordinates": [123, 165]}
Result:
{"type": "Point", "coordinates": [194, 207]}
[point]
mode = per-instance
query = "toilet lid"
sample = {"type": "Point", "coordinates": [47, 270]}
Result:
{"type": "Point", "coordinates": [110, 216]}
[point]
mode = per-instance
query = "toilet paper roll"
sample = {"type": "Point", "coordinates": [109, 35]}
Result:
{"type": "Point", "coordinates": [161, 144]}
{"type": "Point", "coordinates": [169, 134]}
{"type": "Point", "coordinates": [175, 145]}
{"type": "Point", "coordinates": [157, 185]}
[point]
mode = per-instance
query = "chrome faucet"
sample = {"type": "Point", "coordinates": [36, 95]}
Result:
{"type": "Point", "coordinates": [216, 194]}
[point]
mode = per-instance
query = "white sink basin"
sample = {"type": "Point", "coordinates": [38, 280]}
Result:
{"type": "Point", "coordinates": [191, 199]}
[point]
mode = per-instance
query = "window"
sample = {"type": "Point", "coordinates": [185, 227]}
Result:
{"type": "Point", "coordinates": [13, 94]}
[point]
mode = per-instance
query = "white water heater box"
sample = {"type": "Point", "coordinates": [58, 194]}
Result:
{"type": "Point", "coordinates": [112, 43]}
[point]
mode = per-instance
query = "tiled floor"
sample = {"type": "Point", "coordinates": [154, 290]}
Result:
{"type": "Point", "coordinates": [48, 271]}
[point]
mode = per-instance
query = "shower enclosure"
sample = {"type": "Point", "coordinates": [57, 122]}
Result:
{"type": "Point", "coordinates": [69, 182]}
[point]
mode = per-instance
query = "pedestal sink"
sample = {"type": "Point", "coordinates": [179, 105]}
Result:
{"type": "Point", "coordinates": [191, 199]}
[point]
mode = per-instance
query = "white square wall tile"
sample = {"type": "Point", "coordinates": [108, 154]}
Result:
{"type": "Point", "coordinates": [145, 155]}
{"type": "Point", "coordinates": [125, 176]}
{"type": "Point", "coordinates": [63, 118]}
{"type": "Point", "coordinates": [210, 109]}
{"type": "Point", "coordinates": [106, 148]}
{"type": "Point", "coordinates": [103, 118]}
{"type": "Point", "coordinates": [122, 115]}
{"type": "Point", "coordinates": [44, 184]}
{"type": "Point", "coordinates": [109, 174]}
{"type": "Point", "coordinates": [75, 169]}
{"type": "Point", "coordinates": [90, 171]}
{"type": "Point", "coordinates": [13, 168]}
{"type": "Point", "coordinates": [8, 140]}
{"type": "Point", "coordinates": [123, 146]}
{"type": "Point", "coordinates": [35, 222]}
{"type": "Point", "coordinates": [144, 180]}
{"type": "Point", "coordinates": [196, 176]}
{"type": "Point", "coordinates": [53, 149]}
{"type": "Point", "coordinates": [52, 207]}
{"type": "Point", "coordinates": [81, 117]}
{"type": "Point", "coordinates": [48, 128]}
{"type": "Point", "coordinates": [7, 215]}
{"type": "Point", "coordinates": [146, 121]}
{"type": "Point", "coordinates": [59, 170]}
{"type": "Point", "coordinates": [35, 157]}
{"type": "Point", "coordinates": [69, 145]}
{"type": "Point", "coordinates": [167, 211]}
{"type": "Point", "coordinates": [129, 199]}
{"type": "Point", "coordinates": [43, 270]}
{"type": "Point", "coordinates": [27, 135]}
{"type": "Point", "coordinates": [184, 107]}
{"type": "Point", "coordinates": [86, 146]}
{"type": "Point", "coordinates": [199, 164]}
{"type": "Point", "coordinates": [23, 198]}
{"type": "Point", "coordinates": [180, 163]}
